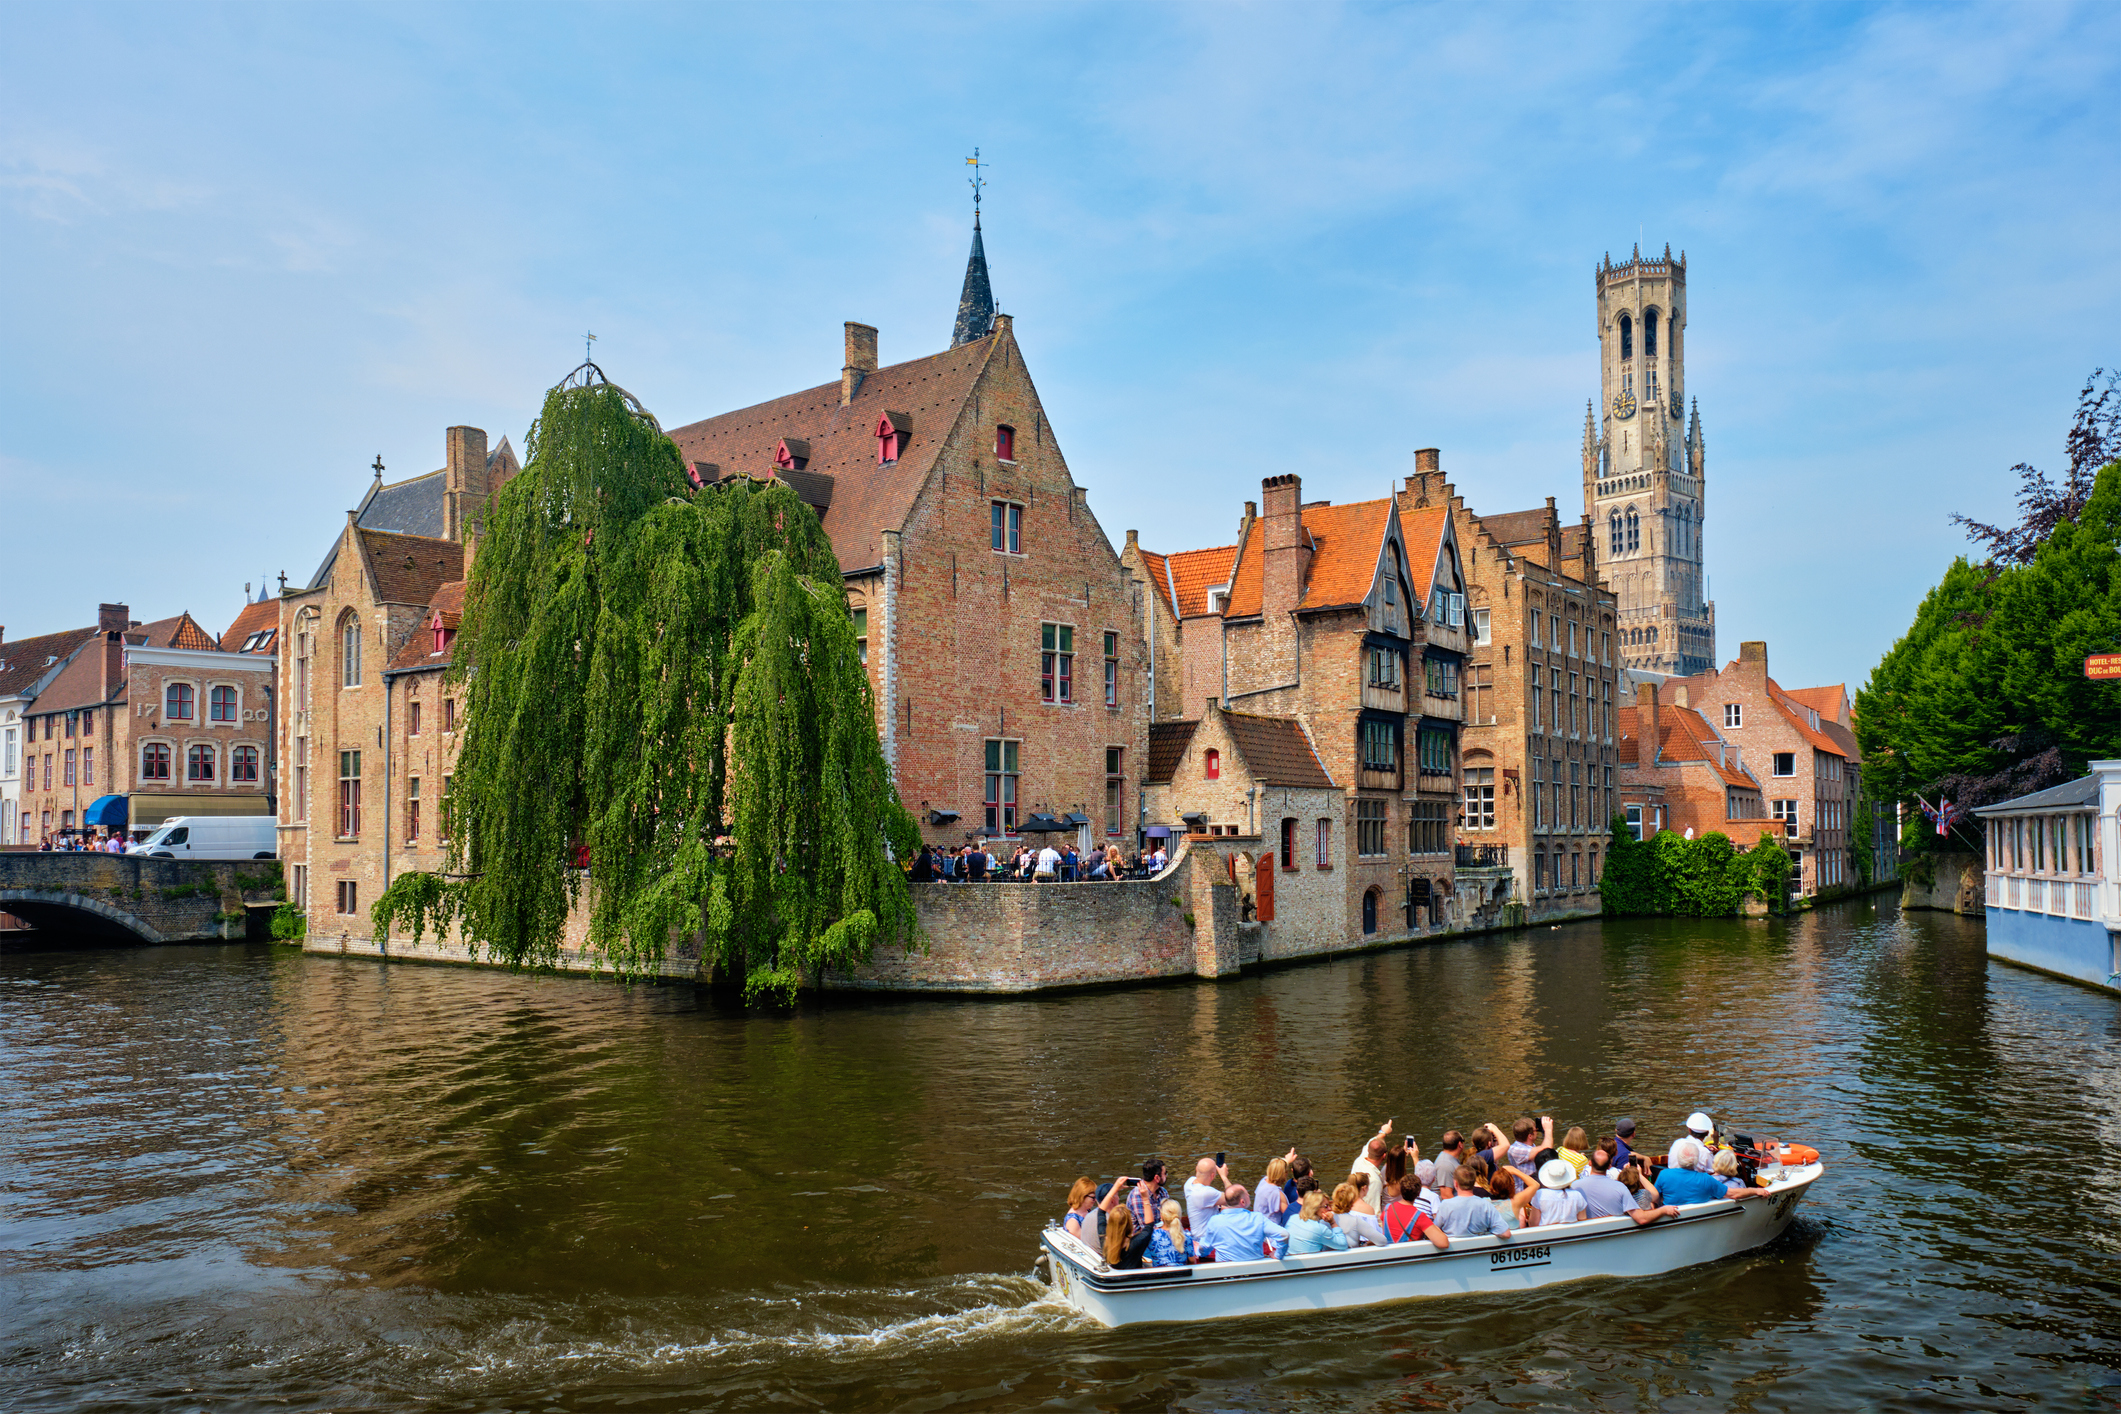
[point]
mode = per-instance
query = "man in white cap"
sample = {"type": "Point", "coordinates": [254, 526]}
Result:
{"type": "Point", "coordinates": [1691, 1150]}
{"type": "Point", "coordinates": [1557, 1201]}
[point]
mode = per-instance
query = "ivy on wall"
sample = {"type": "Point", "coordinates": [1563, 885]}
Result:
{"type": "Point", "coordinates": [1704, 877]}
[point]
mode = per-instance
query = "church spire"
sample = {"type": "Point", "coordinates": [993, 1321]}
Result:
{"type": "Point", "coordinates": [975, 306]}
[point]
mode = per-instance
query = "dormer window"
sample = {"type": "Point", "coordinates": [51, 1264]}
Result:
{"type": "Point", "coordinates": [702, 474]}
{"type": "Point", "coordinates": [793, 454]}
{"type": "Point", "coordinates": [442, 632]}
{"type": "Point", "coordinates": [1005, 443]}
{"type": "Point", "coordinates": [893, 431]}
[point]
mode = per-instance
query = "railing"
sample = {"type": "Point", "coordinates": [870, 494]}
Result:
{"type": "Point", "coordinates": [2036, 895]}
{"type": "Point", "coordinates": [2014, 893]}
{"type": "Point", "coordinates": [1483, 856]}
{"type": "Point", "coordinates": [2087, 900]}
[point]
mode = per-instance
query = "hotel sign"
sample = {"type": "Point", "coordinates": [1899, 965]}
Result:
{"type": "Point", "coordinates": [2103, 665]}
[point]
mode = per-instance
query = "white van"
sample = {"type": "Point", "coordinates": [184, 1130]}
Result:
{"type": "Point", "coordinates": [212, 837]}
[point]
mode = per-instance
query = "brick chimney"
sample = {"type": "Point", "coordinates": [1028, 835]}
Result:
{"type": "Point", "coordinates": [861, 360]}
{"type": "Point", "coordinates": [1282, 567]}
{"type": "Point", "coordinates": [1428, 465]}
{"type": "Point", "coordinates": [113, 618]}
{"type": "Point", "coordinates": [1753, 652]}
{"type": "Point", "coordinates": [465, 481]}
{"type": "Point", "coordinates": [1650, 749]}
{"type": "Point", "coordinates": [113, 664]}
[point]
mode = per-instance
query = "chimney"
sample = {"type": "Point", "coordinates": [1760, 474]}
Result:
{"type": "Point", "coordinates": [1428, 462]}
{"type": "Point", "coordinates": [465, 481]}
{"type": "Point", "coordinates": [1282, 569]}
{"type": "Point", "coordinates": [1754, 652]}
{"type": "Point", "coordinates": [1650, 750]}
{"type": "Point", "coordinates": [113, 663]}
{"type": "Point", "coordinates": [861, 360]}
{"type": "Point", "coordinates": [113, 618]}
{"type": "Point", "coordinates": [1244, 522]}
{"type": "Point", "coordinates": [1553, 537]}
{"type": "Point", "coordinates": [1134, 540]}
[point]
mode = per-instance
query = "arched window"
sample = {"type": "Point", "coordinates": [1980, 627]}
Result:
{"type": "Point", "coordinates": [1369, 912]}
{"type": "Point", "coordinates": [154, 762]}
{"type": "Point", "coordinates": [350, 651]}
{"type": "Point", "coordinates": [199, 763]}
{"type": "Point", "coordinates": [1617, 540]}
{"type": "Point", "coordinates": [1649, 333]}
{"type": "Point", "coordinates": [221, 704]}
{"type": "Point", "coordinates": [177, 702]}
{"type": "Point", "coordinates": [1634, 530]}
{"type": "Point", "coordinates": [243, 764]}
{"type": "Point", "coordinates": [1627, 337]}
{"type": "Point", "coordinates": [1211, 764]}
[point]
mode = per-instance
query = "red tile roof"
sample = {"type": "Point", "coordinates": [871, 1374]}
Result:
{"type": "Point", "coordinates": [418, 650]}
{"type": "Point", "coordinates": [80, 683]}
{"type": "Point", "coordinates": [407, 569]}
{"type": "Point", "coordinates": [867, 499]}
{"type": "Point", "coordinates": [1277, 750]}
{"type": "Point", "coordinates": [1829, 702]}
{"type": "Point", "coordinates": [1195, 572]}
{"type": "Point", "coordinates": [255, 618]}
{"type": "Point", "coordinates": [1167, 746]}
{"type": "Point", "coordinates": [1423, 529]}
{"type": "Point", "coordinates": [1686, 738]}
{"type": "Point", "coordinates": [25, 660]}
{"type": "Point", "coordinates": [1345, 541]}
{"type": "Point", "coordinates": [1800, 716]}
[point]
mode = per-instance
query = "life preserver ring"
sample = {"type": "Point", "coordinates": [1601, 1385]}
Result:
{"type": "Point", "coordinates": [1797, 1155]}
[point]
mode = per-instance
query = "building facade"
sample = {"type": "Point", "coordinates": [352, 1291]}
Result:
{"type": "Point", "coordinates": [2053, 896]}
{"type": "Point", "coordinates": [27, 667]}
{"type": "Point", "coordinates": [1539, 757]}
{"type": "Point", "coordinates": [1644, 481]}
{"type": "Point", "coordinates": [1678, 773]}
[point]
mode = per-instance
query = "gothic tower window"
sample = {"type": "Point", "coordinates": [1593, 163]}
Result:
{"type": "Point", "coordinates": [1634, 530]}
{"type": "Point", "coordinates": [1649, 333]}
{"type": "Point", "coordinates": [1627, 337]}
{"type": "Point", "coordinates": [1617, 533]}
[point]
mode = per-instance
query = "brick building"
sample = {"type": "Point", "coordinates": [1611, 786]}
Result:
{"type": "Point", "coordinates": [27, 667]}
{"type": "Point", "coordinates": [153, 714]}
{"type": "Point", "coordinates": [1190, 585]}
{"type": "Point", "coordinates": [1678, 773]}
{"type": "Point", "coordinates": [1004, 638]}
{"type": "Point", "coordinates": [1799, 744]}
{"type": "Point", "coordinates": [1539, 749]}
{"type": "Point", "coordinates": [1350, 621]}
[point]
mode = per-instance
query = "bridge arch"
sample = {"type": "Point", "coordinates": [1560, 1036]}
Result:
{"type": "Point", "coordinates": [63, 910]}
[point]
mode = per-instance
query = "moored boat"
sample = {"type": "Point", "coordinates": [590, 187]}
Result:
{"type": "Point", "coordinates": [1541, 1256]}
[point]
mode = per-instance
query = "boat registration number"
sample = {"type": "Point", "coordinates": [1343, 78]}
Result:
{"type": "Point", "coordinates": [1517, 1256]}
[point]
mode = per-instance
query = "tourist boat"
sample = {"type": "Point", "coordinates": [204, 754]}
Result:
{"type": "Point", "coordinates": [1324, 1281]}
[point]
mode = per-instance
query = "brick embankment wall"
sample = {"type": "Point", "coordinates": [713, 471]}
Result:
{"type": "Point", "coordinates": [1955, 886]}
{"type": "Point", "coordinates": [119, 897]}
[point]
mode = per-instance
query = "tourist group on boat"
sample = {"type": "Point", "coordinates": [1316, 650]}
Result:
{"type": "Point", "coordinates": [1483, 1183]}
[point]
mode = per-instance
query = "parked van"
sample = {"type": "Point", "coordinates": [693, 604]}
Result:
{"type": "Point", "coordinates": [212, 837]}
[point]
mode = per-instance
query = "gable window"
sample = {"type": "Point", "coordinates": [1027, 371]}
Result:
{"type": "Point", "coordinates": [1785, 763]}
{"type": "Point", "coordinates": [154, 762]}
{"type": "Point", "coordinates": [1380, 745]}
{"type": "Point", "coordinates": [1004, 443]}
{"type": "Point", "coordinates": [177, 702]}
{"type": "Point", "coordinates": [793, 454]}
{"type": "Point", "coordinates": [1007, 526]}
{"type": "Point", "coordinates": [1324, 857]}
{"type": "Point", "coordinates": [893, 432]}
{"type": "Point", "coordinates": [1480, 798]}
{"type": "Point", "coordinates": [1211, 764]}
{"type": "Point", "coordinates": [221, 704]}
{"type": "Point", "coordinates": [1481, 635]}
{"type": "Point", "coordinates": [199, 764]}
{"type": "Point", "coordinates": [1001, 787]}
{"type": "Point", "coordinates": [1115, 782]}
{"type": "Point", "coordinates": [349, 794]}
{"type": "Point", "coordinates": [350, 652]}
{"type": "Point", "coordinates": [1734, 714]}
{"type": "Point", "coordinates": [1112, 670]}
{"type": "Point", "coordinates": [243, 764]}
{"type": "Point", "coordinates": [442, 636]}
{"type": "Point", "coordinates": [1384, 667]}
{"type": "Point", "coordinates": [1056, 663]}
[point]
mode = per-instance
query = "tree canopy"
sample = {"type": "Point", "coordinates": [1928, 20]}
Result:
{"type": "Point", "coordinates": [665, 679]}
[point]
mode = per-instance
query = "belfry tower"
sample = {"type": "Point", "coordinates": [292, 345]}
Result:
{"type": "Point", "coordinates": [1643, 486]}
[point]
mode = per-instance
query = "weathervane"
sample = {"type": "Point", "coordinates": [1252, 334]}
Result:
{"type": "Point", "coordinates": [587, 340]}
{"type": "Point", "coordinates": [979, 183]}
{"type": "Point", "coordinates": [379, 466]}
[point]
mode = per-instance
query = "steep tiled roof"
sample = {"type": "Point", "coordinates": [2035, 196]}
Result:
{"type": "Point", "coordinates": [1687, 738]}
{"type": "Point", "coordinates": [418, 651]}
{"type": "Point", "coordinates": [25, 660]}
{"type": "Point", "coordinates": [177, 631]}
{"type": "Point", "coordinates": [416, 505]}
{"type": "Point", "coordinates": [1799, 715]}
{"type": "Point", "coordinates": [1344, 544]}
{"type": "Point", "coordinates": [80, 683]}
{"type": "Point", "coordinates": [1276, 750]}
{"type": "Point", "coordinates": [261, 617]}
{"type": "Point", "coordinates": [1828, 702]}
{"type": "Point", "coordinates": [1167, 744]}
{"type": "Point", "coordinates": [1516, 527]}
{"type": "Point", "coordinates": [409, 568]}
{"type": "Point", "coordinates": [1423, 528]}
{"type": "Point", "coordinates": [1157, 570]}
{"type": "Point", "coordinates": [1195, 572]}
{"type": "Point", "coordinates": [1626, 750]}
{"type": "Point", "coordinates": [867, 499]}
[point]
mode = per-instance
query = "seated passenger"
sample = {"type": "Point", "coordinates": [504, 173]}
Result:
{"type": "Point", "coordinates": [1204, 1193]}
{"type": "Point", "coordinates": [1237, 1234]}
{"type": "Point", "coordinates": [1555, 1200]}
{"type": "Point", "coordinates": [1124, 1247]}
{"type": "Point", "coordinates": [1085, 1205]}
{"type": "Point", "coordinates": [1425, 1181]}
{"type": "Point", "coordinates": [1469, 1212]}
{"type": "Point", "coordinates": [1299, 1170]}
{"type": "Point", "coordinates": [1272, 1201]}
{"type": "Point", "coordinates": [1724, 1167]}
{"type": "Point", "coordinates": [1364, 1228]}
{"type": "Point", "coordinates": [1605, 1196]}
{"type": "Point", "coordinates": [1697, 1133]}
{"type": "Point", "coordinates": [1636, 1181]}
{"type": "Point", "coordinates": [1404, 1220]}
{"type": "Point", "coordinates": [1170, 1245]}
{"type": "Point", "coordinates": [1683, 1181]}
{"type": "Point", "coordinates": [1576, 1148]}
{"type": "Point", "coordinates": [1308, 1233]}
{"type": "Point", "coordinates": [1361, 1183]}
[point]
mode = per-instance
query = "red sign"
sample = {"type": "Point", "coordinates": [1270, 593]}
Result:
{"type": "Point", "coordinates": [2103, 665]}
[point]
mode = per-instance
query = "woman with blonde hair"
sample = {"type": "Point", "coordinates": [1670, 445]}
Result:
{"type": "Point", "coordinates": [1360, 1227]}
{"type": "Point", "coordinates": [1364, 1198]}
{"type": "Point", "coordinates": [1269, 1199]}
{"type": "Point", "coordinates": [1170, 1245]}
{"type": "Point", "coordinates": [1308, 1232]}
{"type": "Point", "coordinates": [1576, 1148]}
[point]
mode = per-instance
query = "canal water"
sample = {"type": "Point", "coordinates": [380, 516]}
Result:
{"type": "Point", "coordinates": [239, 1177]}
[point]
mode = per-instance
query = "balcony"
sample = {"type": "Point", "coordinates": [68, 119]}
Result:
{"type": "Point", "coordinates": [1482, 856]}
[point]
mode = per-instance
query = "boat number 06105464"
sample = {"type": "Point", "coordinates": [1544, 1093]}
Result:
{"type": "Point", "coordinates": [1519, 1254]}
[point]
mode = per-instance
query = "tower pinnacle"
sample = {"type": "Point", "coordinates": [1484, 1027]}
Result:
{"type": "Point", "coordinates": [975, 305]}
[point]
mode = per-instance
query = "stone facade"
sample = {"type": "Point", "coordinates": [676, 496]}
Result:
{"type": "Point", "coordinates": [1644, 483]}
{"type": "Point", "coordinates": [1541, 685]}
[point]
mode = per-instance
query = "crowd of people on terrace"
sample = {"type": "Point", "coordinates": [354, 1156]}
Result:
{"type": "Point", "coordinates": [1486, 1183]}
{"type": "Point", "coordinates": [103, 843]}
{"type": "Point", "coordinates": [1043, 864]}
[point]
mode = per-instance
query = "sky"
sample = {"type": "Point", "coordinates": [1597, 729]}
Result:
{"type": "Point", "coordinates": [246, 249]}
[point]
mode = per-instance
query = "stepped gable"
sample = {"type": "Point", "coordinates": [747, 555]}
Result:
{"type": "Point", "coordinates": [866, 499]}
{"type": "Point", "coordinates": [25, 660]}
{"type": "Point", "coordinates": [1167, 747]}
{"type": "Point", "coordinates": [1344, 543]}
{"type": "Point", "coordinates": [1277, 751]}
{"type": "Point", "coordinates": [408, 569]}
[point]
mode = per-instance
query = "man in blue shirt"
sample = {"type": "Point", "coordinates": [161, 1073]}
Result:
{"type": "Point", "coordinates": [1682, 1183]}
{"type": "Point", "coordinates": [1622, 1152]}
{"type": "Point", "coordinates": [1237, 1234]}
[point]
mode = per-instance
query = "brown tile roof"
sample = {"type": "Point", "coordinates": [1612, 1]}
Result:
{"type": "Point", "coordinates": [1195, 572]}
{"type": "Point", "coordinates": [418, 650]}
{"type": "Point", "coordinates": [1572, 541]}
{"type": "Point", "coordinates": [1516, 527]}
{"type": "Point", "coordinates": [1167, 744]}
{"type": "Point", "coordinates": [1687, 739]}
{"type": "Point", "coordinates": [260, 617]}
{"type": "Point", "coordinates": [1277, 750]}
{"type": "Point", "coordinates": [25, 660]}
{"type": "Point", "coordinates": [1345, 541]}
{"type": "Point", "coordinates": [80, 683]}
{"type": "Point", "coordinates": [867, 499]}
{"type": "Point", "coordinates": [407, 569]}
{"type": "Point", "coordinates": [178, 631]}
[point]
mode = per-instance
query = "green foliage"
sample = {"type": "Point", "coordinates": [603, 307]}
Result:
{"type": "Point", "coordinates": [272, 880]}
{"type": "Point", "coordinates": [416, 898]}
{"type": "Point", "coordinates": [288, 924]}
{"type": "Point", "coordinates": [669, 677]}
{"type": "Point", "coordinates": [1703, 877]}
{"type": "Point", "coordinates": [1860, 840]}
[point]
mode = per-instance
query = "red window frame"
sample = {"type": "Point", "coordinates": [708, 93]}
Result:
{"type": "Point", "coordinates": [1211, 764]}
{"type": "Point", "coordinates": [154, 762]}
{"type": "Point", "coordinates": [199, 763]}
{"type": "Point", "coordinates": [221, 704]}
{"type": "Point", "coordinates": [243, 764]}
{"type": "Point", "coordinates": [1111, 669]}
{"type": "Point", "coordinates": [178, 700]}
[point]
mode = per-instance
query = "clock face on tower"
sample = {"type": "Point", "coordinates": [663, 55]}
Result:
{"type": "Point", "coordinates": [1624, 403]}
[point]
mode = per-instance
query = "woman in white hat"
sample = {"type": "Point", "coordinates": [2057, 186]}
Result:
{"type": "Point", "coordinates": [1556, 1201]}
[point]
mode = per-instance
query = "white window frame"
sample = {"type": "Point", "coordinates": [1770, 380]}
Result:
{"type": "Point", "coordinates": [1481, 633]}
{"type": "Point", "coordinates": [1734, 714]}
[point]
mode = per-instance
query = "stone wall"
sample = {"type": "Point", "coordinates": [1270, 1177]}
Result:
{"type": "Point", "coordinates": [124, 897]}
{"type": "Point", "coordinates": [1954, 886]}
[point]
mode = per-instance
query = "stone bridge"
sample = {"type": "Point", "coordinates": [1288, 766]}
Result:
{"type": "Point", "coordinates": [121, 898]}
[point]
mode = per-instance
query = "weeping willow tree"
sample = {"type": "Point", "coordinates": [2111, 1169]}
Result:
{"type": "Point", "coordinates": [669, 677]}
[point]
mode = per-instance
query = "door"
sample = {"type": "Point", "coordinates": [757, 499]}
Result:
{"type": "Point", "coordinates": [1263, 886]}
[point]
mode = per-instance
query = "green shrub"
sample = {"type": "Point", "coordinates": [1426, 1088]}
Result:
{"type": "Point", "coordinates": [288, 924]}
{"type": "Point", "coordinates": [1706, 877]}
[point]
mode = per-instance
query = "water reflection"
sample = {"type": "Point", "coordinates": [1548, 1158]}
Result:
{"type": "Point", "coordinates": [337, 1183]}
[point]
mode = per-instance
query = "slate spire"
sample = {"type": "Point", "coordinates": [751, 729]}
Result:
{"type": "Point", "coordinates": [975, 307]}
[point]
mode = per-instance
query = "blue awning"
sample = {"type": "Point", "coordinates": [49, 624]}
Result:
{"type": "Point", "coordinates": [107, 811]}
{"type": "Point", "coordinates": [1158, 832]}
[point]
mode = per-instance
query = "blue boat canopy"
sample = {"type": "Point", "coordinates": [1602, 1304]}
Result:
{"type": "Point", "coordinates": [107, 811]}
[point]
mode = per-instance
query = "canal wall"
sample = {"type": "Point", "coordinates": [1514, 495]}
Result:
{"type": "Point", "coordinates": [1950, 883]}
{"type": "Point", "coordinates": [131, 898]}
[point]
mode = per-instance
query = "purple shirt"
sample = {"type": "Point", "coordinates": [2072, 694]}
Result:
{"type": "Point", "coordinates": [1241, 1235]}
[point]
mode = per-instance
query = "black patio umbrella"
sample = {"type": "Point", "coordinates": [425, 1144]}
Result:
{"type": "Point", "coordinates": [1043, 825]}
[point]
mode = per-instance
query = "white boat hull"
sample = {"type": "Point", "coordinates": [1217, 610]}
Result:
{"type": "Point", "coordinates": [1326, 1281]}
